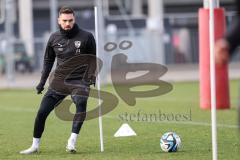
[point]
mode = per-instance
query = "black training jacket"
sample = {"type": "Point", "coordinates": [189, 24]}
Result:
{"type": "Point", "coordinates": [75, 52]}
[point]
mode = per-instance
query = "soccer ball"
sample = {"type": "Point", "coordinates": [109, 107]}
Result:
{"type": "Point", "coordinates": [170, 142]}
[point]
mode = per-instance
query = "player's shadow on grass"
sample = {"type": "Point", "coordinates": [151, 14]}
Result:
{"type": "Point", "coordinates": [56, 153]}
{"type": "Point", "coordinates": [162, 152]}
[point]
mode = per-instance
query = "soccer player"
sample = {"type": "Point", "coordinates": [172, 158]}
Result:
{"type": "Point", "coordinates": [225, 47]}
{"type": "Point", "coordinates": [75, 51]}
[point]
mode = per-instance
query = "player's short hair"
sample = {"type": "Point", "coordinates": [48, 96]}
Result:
{"type": "Point", "coordinates": [66, 10]}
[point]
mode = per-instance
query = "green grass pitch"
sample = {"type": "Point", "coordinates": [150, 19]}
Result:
{"type": "Point", "coordinates": [18, 109]}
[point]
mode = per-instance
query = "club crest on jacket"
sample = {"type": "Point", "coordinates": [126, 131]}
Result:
{"type": "Point", "coordinates": [77, 44]}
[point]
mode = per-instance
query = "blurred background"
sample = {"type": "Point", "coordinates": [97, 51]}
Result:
{"type": "Point", "coordinates": [162, 31]}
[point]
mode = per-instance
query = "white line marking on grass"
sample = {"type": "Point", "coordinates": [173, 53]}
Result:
{"type": "Point", "coordinates": [184, 123]}
{"type": "Point", "coordinates": [18, 109]}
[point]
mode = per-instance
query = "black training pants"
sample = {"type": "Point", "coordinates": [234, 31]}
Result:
{"type": "Point", "coordinates": [50, 100]}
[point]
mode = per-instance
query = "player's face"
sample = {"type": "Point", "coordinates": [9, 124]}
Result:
{"type": "Point", "coordinates": [66, 21]}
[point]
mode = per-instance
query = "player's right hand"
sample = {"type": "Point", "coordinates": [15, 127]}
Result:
{"type": "Point", "coordinates": [40, 88]}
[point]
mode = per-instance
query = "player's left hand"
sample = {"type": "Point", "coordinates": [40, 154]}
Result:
{"type": "Point", "coordinates": [221, 51]}
{"type": "Point", "coordinates": [40, 88]}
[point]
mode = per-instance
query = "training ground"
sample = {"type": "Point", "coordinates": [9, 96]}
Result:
{"type": "Point", "coordinates": [18, 109]}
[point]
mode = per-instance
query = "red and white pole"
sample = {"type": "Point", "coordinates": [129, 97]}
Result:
{"type": "Point", "coordinates": [214, 85]}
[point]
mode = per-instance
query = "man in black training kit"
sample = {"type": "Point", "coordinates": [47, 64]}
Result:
{"type": "Point", "coordinates": [224, 48]}
{"type": "Point", "coordinates": [75, 51]}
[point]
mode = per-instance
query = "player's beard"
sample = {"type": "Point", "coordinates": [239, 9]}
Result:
{"type": "Point", "coordinates": [71, 32]}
